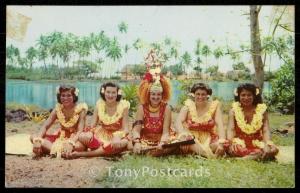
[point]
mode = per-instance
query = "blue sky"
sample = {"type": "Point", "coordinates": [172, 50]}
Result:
{"type": "Point", "coordinates": [214, 25]}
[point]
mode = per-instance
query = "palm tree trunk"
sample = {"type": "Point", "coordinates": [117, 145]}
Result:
{"type": "Point", "coordinates": [256, 47]}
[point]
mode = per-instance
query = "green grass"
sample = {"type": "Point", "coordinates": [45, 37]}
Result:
{"type": "Point", "coordinates": [275, 122]}
{"type": "Point", "coordinates": [216, 173]}
{"type": "Point", "coordinates": [197, 172]}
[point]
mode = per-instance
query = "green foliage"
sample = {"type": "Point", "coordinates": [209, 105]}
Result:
{"type": "Point", "coordinates": [176, 69]}
{"type": "Point", "coordinates": [198, 69]}
{"type": "Point", "coordinates": [269, 76]}
{"type": "Point", "coordinates": [115, 77]}
{"type": "Point", "coordinates": [212, 70]}
{"type": "Point", "coordinates": [27, 107]}
{"type": "Point", "coordinates": [282, 96]}
{"type": "Point", "coordinates": [185, 87]}
{"type": "Point", "coordinates": [138, 69]}
{"type": "Point", "coordinates": [240, 66]}
{"type": "Point", "coordinates": [130, 94]}
{"type": "Point", "coordinates": [123, 27]}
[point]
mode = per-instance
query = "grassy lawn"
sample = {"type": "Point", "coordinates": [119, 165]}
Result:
{"type": "Point", "coordinates": [275, 122]}
{"type": "Point", "coordinates": [193, 171]}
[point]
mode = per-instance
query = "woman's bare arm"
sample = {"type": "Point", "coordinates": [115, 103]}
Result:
{"type": "Point", "coordinates": [230, 127]}
{"type": "Point", "coordinates": [219, 122]}
{"type": "Point", "coordinates": [182, 116]}
{"type": "Point", "coordinates": [95, 117]}
{"type": "Point", "coordinates": [166, 124]}
{"type": "Point", "coordinates": [47, 124]}
{"type": "Point", "coordinates": [136, 130]}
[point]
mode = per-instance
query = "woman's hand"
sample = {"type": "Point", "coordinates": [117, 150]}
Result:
{"type": "Point", "coordinates": [67, 149]}
{"type": "Point", "coordinates": [37, 148]}
{"type": "Point", "coordinates": [233, 148]}
{"type": "Point", "coordinates": [137, 147]}
{"type": "Point", "coordinates": [220, 151]}
{"type": "Point", "coordinates": [160, 145]}
{"type": "Point", "coordinates": [73, 155]}
{"type": "Point", "coordinates": [116, 142]}
{"type": "Point", "coordinates": [267, 152]}
{"type": "Point", "coordinates": [85, 137]}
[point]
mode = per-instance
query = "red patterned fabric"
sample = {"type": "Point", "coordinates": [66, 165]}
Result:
{"type": "Point", "coordinates": [250, 148]}
{"type": "Point", "coordinates": [112, 127]}
{"type": "Point", "coordinates": [53, 137]}
{"type": "Point", "coordinates": [154, 124]}
{"type": "Point", "coordinates": [105, 133]}
{"type": "Point", "coordinates": [200, 126]}
{"type": "Point", "coordinates": [205, 127]}
{"type": "Point", "coordinates": [94, 143]}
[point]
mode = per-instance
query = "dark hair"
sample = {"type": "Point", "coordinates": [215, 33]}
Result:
{"type": "Point", "coordinates": [201, 86]}
{"type": "Point", "coordinates": [252, 88]}
{"type": "Point", "coordinates": [63, 88]}
{"type": "Point", "coordinates": [110, 84]}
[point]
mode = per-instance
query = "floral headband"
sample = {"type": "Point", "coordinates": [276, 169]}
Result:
{"type": "Point", "coordinates": [76, 91]}
{"type": "Point", "coordinates": [236, 93]}
{"type": "Point", "coordinates": [119, 91]}
{"type": "Point", "coordinates": [193, 95]}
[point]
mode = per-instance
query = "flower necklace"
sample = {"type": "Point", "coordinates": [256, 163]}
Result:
{"type": "Point", "coordinates": [154, 109]}
{"type": "Point", "coordinates": [73, 120]}
{"type": "Point", "coordinates": [256, 122]}
{"type": "Point", "coordinates": [193, 111]}
{"type": "Point", "coordinates": [107, 119]}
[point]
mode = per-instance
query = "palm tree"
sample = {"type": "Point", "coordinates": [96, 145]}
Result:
{"type": "Point", "coordinates": [43, 48]}
{"type": "Point", "coordinates": [12, 53]}
{"type": "Point", "coordinates": [206, 52]}
{"type": "Point", "coordinates": [186, 59]}
{"type": "Point", "coordinates": [100, 42]}
{"type": "Point", "coordinates": [55, 38]}
{"type": "Point", "coordinates": [138, 44]}
{"type": "Point", "coordinates": [32, 53]}
{"type": "Point", "coordinates": [198, 53]}
{"type": "Point", "coordinates": [218, 53]}
{"type": "Point", "coordinates": [123, 27]}
{"type": "Point", "coordinates": [114, 51]}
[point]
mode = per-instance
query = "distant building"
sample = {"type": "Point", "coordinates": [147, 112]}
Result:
{"type": "Point", "coordinates": [126, 73]}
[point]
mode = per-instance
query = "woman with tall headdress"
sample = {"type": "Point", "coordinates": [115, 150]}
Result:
{"type": "Point", "coordinates": [153, 117]}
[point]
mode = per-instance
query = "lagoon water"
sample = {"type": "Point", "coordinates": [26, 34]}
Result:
{"type": "Point", "coordinates": [43, 93]}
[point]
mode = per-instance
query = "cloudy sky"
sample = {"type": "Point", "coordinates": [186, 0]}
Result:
{"type": "Point", "coordinates": [214, 25]}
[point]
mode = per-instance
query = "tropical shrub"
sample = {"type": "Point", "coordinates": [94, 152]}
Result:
{"type": "Point", "coordinates": [130, 94]}
{"type": "Point", "coordinates": [282, 96]}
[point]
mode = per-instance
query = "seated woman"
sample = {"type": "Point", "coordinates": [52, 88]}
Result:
{"type": "Point", "coordinates": [153, 116]}
{"type": "Point", "coordinates": [109, 132]}
{"type": "Point", "coordinates": [202, 119]}
{"type": "Point", "coordinates": [248, 126]}
{"type": "Point", "coordinates": [71, 117]}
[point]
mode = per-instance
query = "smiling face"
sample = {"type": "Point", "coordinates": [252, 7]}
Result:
{"type": "Point", "coordinates": [155, 97]}
{"type": "Point", "coordinates": [66, 98]}
{"type": "Point", "coordinates": [246, 97]}
{"type": "Point", "coordinates": [200, 96]}
{"type": "Point", "coordinates": [111, 94]}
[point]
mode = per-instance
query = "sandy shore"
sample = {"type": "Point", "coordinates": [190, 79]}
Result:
{"type": "Point", "coordinates": [23, 171]}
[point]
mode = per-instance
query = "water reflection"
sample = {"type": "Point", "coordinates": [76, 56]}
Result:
{"type": "Point", "coordinates": [43, 93]}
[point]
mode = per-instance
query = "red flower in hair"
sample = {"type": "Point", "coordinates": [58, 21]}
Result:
{"type": "Point", "coordinates": [161, 77]}
{"type": "Point", "coordinates": [148, 77]}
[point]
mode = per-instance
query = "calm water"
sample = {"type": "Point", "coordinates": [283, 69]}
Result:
{"type": "Point", "coordinates": [43, 93]}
